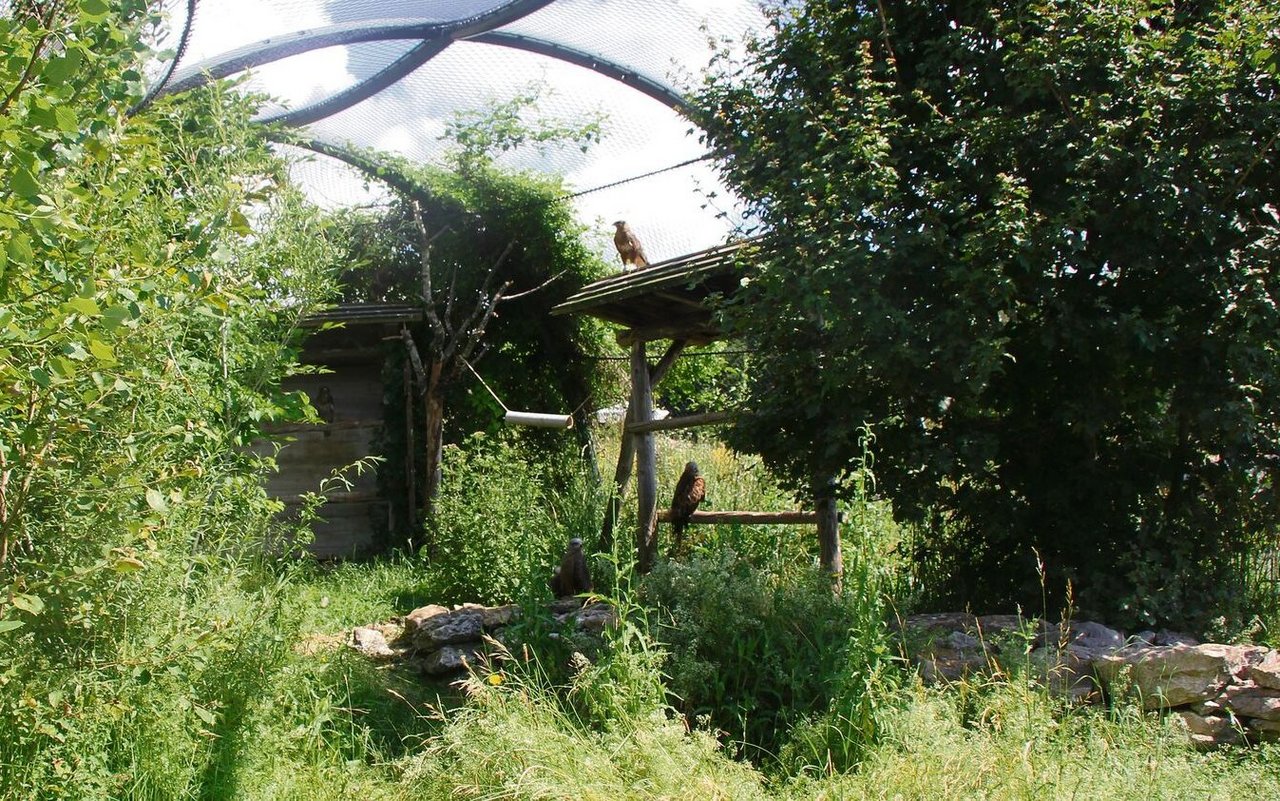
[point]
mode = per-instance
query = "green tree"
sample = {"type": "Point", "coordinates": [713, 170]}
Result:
{"type": "Point", "coordinates": [486, 252]}
{"type": "Point", "coordinates": [1033, 245]}
{"type": "Point", "coordinates": [152, 268]}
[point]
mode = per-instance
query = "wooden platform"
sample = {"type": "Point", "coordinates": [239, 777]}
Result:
{"type": "Point", "coordinates": [667, 300]}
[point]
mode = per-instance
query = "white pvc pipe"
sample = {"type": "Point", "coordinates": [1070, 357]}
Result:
{"type": "Point", "coordinates": [539, 420]}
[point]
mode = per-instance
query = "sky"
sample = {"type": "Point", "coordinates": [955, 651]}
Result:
{"type": "Point", "coordinates": [672, 213]}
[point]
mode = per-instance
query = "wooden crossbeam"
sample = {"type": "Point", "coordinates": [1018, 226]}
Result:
{"type": "Point", "coordinates": [749, 518]}
{"type": "Point", "coordinates": [671, 423]}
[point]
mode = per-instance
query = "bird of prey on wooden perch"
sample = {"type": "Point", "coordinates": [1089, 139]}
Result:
{"type": "Point", "coordinates": [629, 247]}
{"type": "Point", "coordinates": [690, 490]}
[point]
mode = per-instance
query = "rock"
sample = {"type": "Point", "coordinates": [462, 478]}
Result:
{"type": "Point", "coordinates": [1211, 725]}
{"type": "Point", "coordinates": [1266, 672]}
{"type": "Point", "coordinates": [371, 642]}
{"type": "Point", "coordinates": [1164, 637]}
{"type": "Point", "coordinates": [960, 641]}
{"type": "Point", "coordinates": [595, 617]}
{"type": "Point", "coordinates": [1252, 701]}
{"type": "Point", "coordinates": [458, 626]}
{"type": "Point", "coordinates": [414, 620]}
{"type": "Point", "coordinates": [1067, 672]}
{"type": "Point", "coordinates": [1264, 725]}
{"type": "Point", "coordinates": [1176, 675]}
{"type": "Point", "coordinates": [1096, 636]}
{"type": "Point", "coordinates": [450, 659]}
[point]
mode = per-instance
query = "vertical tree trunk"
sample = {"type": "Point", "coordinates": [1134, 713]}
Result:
{"type": "Point", "coordinates": [433, 437]}
{"type": "Point", "coordinates": [646, 462]}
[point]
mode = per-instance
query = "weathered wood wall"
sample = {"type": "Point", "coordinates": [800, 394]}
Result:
{"type": "Point", "coordinates": [354, 520]}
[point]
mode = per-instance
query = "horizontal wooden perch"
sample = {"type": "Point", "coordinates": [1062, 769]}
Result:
{"type": "Point", "coordinates": [750, 518]}
{"type": "Point", "coordinates": [669, 423]}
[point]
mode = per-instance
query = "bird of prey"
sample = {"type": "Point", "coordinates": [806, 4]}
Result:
{"type": "Point", "coordinates": [629, 247]}
{"type": "Point", "coordinates": [690, 490]}
{"type": "Point", "coordinates": [571, 577]}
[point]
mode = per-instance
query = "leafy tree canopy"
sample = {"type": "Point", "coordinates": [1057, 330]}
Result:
{"type": "Point", "coordinates": [1034, 246]}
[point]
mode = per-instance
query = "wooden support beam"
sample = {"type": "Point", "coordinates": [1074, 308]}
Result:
{"type": "Point", "coordinates": [672, 423]}
{"type": "Point", "coordinates": [749, 518]}
{"type": "Point", "coordinates": [659, 370]}
{"type": "Point", "coordinates": [646, 463]}
{"type": "Point", "coordinates": [830, 558]}
{"type": "Point", "coordinates": [696, 335]}
{"type": "Point", "coordinates": [627, 449]}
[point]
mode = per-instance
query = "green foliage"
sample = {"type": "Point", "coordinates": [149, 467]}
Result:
{"type": "Point", "coordinates": [754, 652]}
{"type": "Point", "coordinates": [151, 271]}
{"type": "Point", "coordinates": [504, 519]}
{"type": "Point", "coordinates": [489, 229]}
{"type": "Point", "coordinates": [703, 379]}
{"type": "Point", "coordinates": [1032, 244]}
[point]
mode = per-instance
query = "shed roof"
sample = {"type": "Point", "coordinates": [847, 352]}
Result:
{"type": "Point", "coordinates": [667, 300]}
{"type": "Point", "coordinates": [363, 313]}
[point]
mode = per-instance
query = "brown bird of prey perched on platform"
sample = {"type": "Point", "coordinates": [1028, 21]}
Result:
{"type": "Point", "coordinates": [690, 490]}
{"type": "Point", "coordinates": [629, 248]}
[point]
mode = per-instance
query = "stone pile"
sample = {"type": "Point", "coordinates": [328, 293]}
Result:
{"type": "Point", "coordinates": [1224, 694]}
{"type": "Point", "coordinates": [441, 641]}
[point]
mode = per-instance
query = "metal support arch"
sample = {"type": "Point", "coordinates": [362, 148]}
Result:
{"type": "Point", "coordinates": [269, 50]}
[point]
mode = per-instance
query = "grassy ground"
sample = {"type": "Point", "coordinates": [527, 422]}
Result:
{"type": "Point", "coordinates": [332, 727]}
{"type": "Point", "coordinates": [297, 715]}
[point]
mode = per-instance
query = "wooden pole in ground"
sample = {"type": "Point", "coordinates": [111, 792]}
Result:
{"type": "Point", "coordinates": [627, 450]}
{"type": "Point", "coordinates": [646, 462]}
{"type": "Point", "coordinates": [829, 557]}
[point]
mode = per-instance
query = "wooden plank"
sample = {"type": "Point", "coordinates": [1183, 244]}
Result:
{"type": "Point", "coordinates": [748, 518]}
{"type": "Point", "coordinates": [689, 421]}
{"type": "Point", "coordinates": [646, 463]}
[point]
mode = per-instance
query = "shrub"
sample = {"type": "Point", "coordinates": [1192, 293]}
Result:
{"type": "Point", "coordinates": [753, 652]}
{"type": "Point", "coordinates": [503, 520]}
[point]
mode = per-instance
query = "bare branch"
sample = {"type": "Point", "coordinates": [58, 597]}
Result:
{"type": "Point", "coordinates": [428, 297]}
{"type": "Point", "coordinates": [543, 285]}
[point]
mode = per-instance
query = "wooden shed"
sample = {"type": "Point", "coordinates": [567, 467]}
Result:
{"type": "Point", "coordinates": [349, 344]}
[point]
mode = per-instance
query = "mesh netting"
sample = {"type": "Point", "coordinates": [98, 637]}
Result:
{"type": "Point", "coordinates": [664, 45]}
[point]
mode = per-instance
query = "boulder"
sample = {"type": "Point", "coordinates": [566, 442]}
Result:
{"type": "Point", "coordinates": [371, 642]}
{"type": "Point", "coordinates": [595, 617]}
{"type": "Point", "coordinates": [450, 659]}
{"type": "Point", "coordinates": [414, 620]}
{"type": "Point", "coordinates": [1209, 725]}
{"type": "Point", "coordinates": [1176, 675]}
{"type": "Point", "coordinates": [1251, 701]}
{"type": "Point", "coordinates": [457, 626]}
{"type": "Point", "coordinates": [1266, 672]}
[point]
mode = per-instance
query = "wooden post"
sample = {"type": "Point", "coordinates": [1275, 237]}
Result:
{"type": "Point", "coordinates": [829, 556]}
{"type": "Point", "coordinates": [646, 462]}
{"type": "Point", "coordinates": [627, 449]}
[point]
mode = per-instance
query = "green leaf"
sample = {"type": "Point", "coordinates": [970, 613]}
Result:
{"type": "Point", "coordinates": [32, 604]}
{"type": "Point", "coordinates": [156, 500]}
{"type": "Point", "coordinates": [10, 625]}
{"type": "Point", "coordinates": [128, 564]}
{"type": "Point", "coordinates": [20, 248]}
{"type": "Point", "coordinates": [114, 317]}
{"type": "Point", "coordinates": [102, 351]}
{"type": "Point", "coordinates": [66, 118]}
{"type": "Point", "coordinates": [94, 8]}
{"type": "Point", "coordinates": [208, 717]}
{"type": "Point", "coordinates": [84, 306]}
{"type": "Point", "coordinates": [24, 183]}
